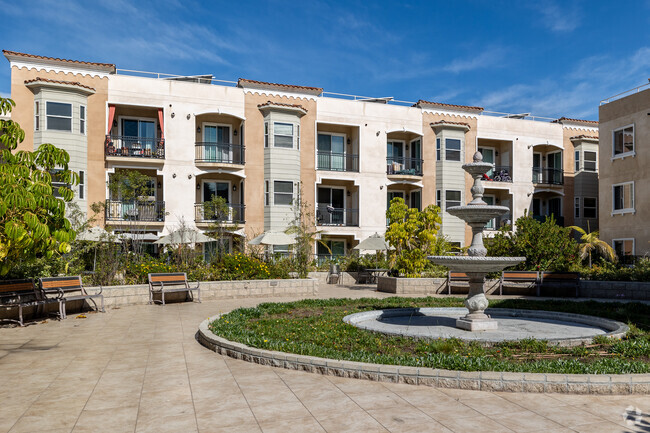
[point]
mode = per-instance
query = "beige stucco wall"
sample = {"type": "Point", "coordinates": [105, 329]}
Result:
{"type": "Point", "coordinates": [23, 113]}
{"type": "Point", "coordinates": [631, 110]}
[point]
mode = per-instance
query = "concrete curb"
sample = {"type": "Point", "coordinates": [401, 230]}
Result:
{"type": "Point", "coordinates": [474, 380]}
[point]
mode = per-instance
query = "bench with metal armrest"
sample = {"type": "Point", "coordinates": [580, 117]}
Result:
{"type": "Point", "coordinates": [65, 289]}
{"type": "Point", "coordinates": [171, 283]}
{"type": "Point", "coordinates": [519, 277]}
{"type": "Point", "coordinates": [456, 277]}
{"type": "Point", "coordinates": [22, 293]}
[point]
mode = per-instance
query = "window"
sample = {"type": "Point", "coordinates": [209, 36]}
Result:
{"type": "Point", "coordinates": [282, 193]}
{"type": "Point", "coordinates": [416, 200]}
{"type": "Point", "coordinates": [452, 198]}
{"type": "Point", "coordinates": [624, 141]}
{"type": "Point", "coordinates": [623, 247]}
{"type": "Point", "coordinates": [266, 193]}
{"type": "Point", "coordinates": [266, 134]}
{"type": "Point", "coordinates": [283, 135]}
{"type": "Point", "coordinates": [452, 149]}
{"type": "Point", "coordinates": [623, 197]}
{"type": "Point", "coordinates": [577, 208]}
{"type": "Point", "coordinates": [589, 207]}
{"type": "Point", "coordinates": [438, 149]}
{"type": "Point", "coordinates": [59, 116]}
{"type": "Point", "coordinates": [57, 182]}
{"type": "Point", "coordinates": [439, 198]}
{"type": "Point", "coordinates": [331, 152]}
{"type": "Point", "coordinates": [37, 116]}
{"type": "Point", "coordinates": [82, 184]}
{"type": "Point", "coordinates": [82, 119]}
{"type": "Point", "coordinates": [590, 163]}
{"type": "Point", "coordinates": [577, 161]}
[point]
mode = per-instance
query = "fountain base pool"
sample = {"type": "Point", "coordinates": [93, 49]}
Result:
{"type": "Point", "coordinates": [562, 329]}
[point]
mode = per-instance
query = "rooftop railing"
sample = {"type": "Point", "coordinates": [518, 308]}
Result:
{"type": "Point", "coordinates": [637, 89]}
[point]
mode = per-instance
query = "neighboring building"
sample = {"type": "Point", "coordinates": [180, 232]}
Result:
{"type": "Point", "coordinates": [625, 203]}
{"type": "Point", "coordinates": [258, 145]}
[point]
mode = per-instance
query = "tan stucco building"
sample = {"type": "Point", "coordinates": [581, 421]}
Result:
{"type": "Point", "coordinates": [258, 145]}
{"type": "Point", "coordinates": [625, 201]}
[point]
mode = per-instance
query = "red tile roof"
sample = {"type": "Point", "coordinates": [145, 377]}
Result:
{"type": "Point", "coordinates": [582, 136]}
{"type": "Point", "coordinates": [422, 102]}
{"type": "Point", "coordinates": [566, 119]}
{"type": "Point", "coordinates": [447, 122]}
{"type": "Point", "coordinates": [243, 82]}
{"type": "Point", "coordinates": [278, 104]}
{"type": "Point", "coordinates": [69, 83]}
{"type": "Point", "coordinates": [56, 59]}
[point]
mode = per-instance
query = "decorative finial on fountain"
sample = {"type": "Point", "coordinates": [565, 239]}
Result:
{"type": "Point", "coordinates": [478, 157]}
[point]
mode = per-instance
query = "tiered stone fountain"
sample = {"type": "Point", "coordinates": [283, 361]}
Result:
{"type": "Point", "coordinates": [476, 264]}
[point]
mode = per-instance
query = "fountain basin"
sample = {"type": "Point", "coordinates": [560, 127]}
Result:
{"type": "Point", "coordinates": [561, 329]}
{"type": "Point", "coordinates": [474, 213]}
{"type": "Point", "coordinates": [476, 264]}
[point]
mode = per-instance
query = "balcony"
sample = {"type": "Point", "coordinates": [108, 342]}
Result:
{"type": "Point", "coordinates": [208, 153]}
{"type": "Point", "coordinates": [338, 161]}
{"type": "Point", "coordinates": [134, 147]}
{"type": "Point", "coordinates": [135, 211]}
{"type": "Point", "coordinates": [327, 215]}
{"type": "Point", "coordinates": [204, 213]}
{"type": "Point", "coordinates": [548, 176]}
{"type": "Point", "coordinates": [403, 166]}
{"type": "Point", "coordinates": [500, 173]}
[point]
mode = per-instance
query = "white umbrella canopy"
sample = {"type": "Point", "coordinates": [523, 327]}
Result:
{"type": "Point", "coordinates": [139, 236]}
{"type": "Point", "coordinates": [273, 238]}
{"type": "Point", "coordinates": [188, 236]}
{"type": "Point", "coordinates": [375, 242]}
{"type": "Point", "coordinates": [95, 234]}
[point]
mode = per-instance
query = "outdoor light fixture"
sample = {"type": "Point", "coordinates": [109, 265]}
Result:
{"type": "Point", "coordinates": [114, 122]}
{"type": "Point", "coordinates": [198, 186]}
{"type": "Point", "coordinates": [188, 116]}
{"type": "Point", "coordinates": [234, 187]}
{"type": "Point", "coordinates": [198, 129]}
{"type": "Point", "coordinates": [348, 141]}
{"type": "Point", "coordinates": [174, 175]}
{"type": "Point", "coordinates": [159, 184]}
{"type": "Point", "coordinates": [189, 176]}
{"type": "Point", "coordinates": [234, 132]}
{"type": "Point", "coordinates": [173, 115]}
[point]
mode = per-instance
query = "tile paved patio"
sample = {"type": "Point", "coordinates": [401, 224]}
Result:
{"type": "Point", "coordinates": [140, 369]}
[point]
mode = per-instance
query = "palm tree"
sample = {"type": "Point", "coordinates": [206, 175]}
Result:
{"type": "Point", "coordinates": [591, 242]}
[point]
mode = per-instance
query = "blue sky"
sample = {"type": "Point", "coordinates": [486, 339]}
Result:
{"type": "Point", "coordinates": [550, 58]}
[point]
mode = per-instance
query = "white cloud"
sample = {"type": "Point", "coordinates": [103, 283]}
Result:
{"type": "Point", "coordinates": [561, 19]}
{"type": "Point", "coordinates": [487, 58]}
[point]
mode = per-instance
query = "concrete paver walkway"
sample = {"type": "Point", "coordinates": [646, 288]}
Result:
{"type": "Point", "coordinates": [140, 369]}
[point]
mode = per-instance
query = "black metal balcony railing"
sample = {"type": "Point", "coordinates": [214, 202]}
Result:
{"type": "Point", "coordinates": [548, 176]}
{"type": "Point", "coordinates": [500, 173]}
{"type": "Point", "coordinates": [206, 212]}
{"type": "Point", "coordinates": [135, 210]}
{"type": "Point", "coordinates": [338, 161]}
{"type": "Point", "coordinates": [559, 220]}
{"type": "Point", "coordinates": [409, 166]}
{"type": "Point", "coordinates": [225, 153]}
{"type": "Point", "coordinates": [135, 147]}
{"type": "Point", "coordinates": [327, 215]}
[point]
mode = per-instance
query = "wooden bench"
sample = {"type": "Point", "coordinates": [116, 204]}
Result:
{"type": "Point", "coordinates": [170, 283]}
{"type": "Point", "coordinates": [456, 277]}
{"type": "Point", "coordinates": [69, 289]}
{"type": "Point", "coordinates": [21, 293]}
{"type": "Point", "coordinates": [519, 277]}
{"type": "Point", "coordinates": [559, 280]}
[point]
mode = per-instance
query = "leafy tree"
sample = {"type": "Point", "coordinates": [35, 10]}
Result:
{"type": "Point", "coordinates": [413, 235]}
{"type": "Point", "coordinates": [302, 227]}
{"type": "Point", "coordinates": [546, 246]}
{"type": "Point", "coordinates": [590, 243]}
{"type": "Point", "coordinates": [218, 211]}
{"type": "Point", "coordinates": [33, 221]}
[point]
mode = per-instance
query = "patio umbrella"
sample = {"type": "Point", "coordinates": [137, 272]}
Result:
{"type": "Point", "coordinates": [273, 238]}
{"type": "Point", "coordinates": [94, 234]}
{"type": "Point", "coordinates": [187, 236]}
{"type": "Point", "coordinates": [375, 242]}
{"type": "Point", "coordinates": [139, 236]}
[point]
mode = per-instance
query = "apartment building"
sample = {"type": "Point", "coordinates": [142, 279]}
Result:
{"type": "Point", "coordinates": [259, 145]}
{"type": "Point", "coordinates": [625, 128]}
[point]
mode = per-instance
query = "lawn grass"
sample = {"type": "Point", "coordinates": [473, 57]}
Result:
{"type": "Point", "coordinates": [316, 328]}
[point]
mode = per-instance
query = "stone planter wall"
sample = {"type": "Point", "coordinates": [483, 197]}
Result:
{"type": "Point", "coordinates": [635, 290]}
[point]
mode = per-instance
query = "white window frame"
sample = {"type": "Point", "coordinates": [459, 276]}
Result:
{"type": "Point", "coordinates": [204, 181]}
{"type": "Point", "coordinates": [595, 207]}
{"type": "Point", "coordinates": [230, 129]}
{"type": "Point", "coordinates": [293, 134]}
{"type": "Point", "coordinates": [627, 209]}
{"type": "Point", "coordinates": [284, 193]}
{"type": "Point", "coordinates": [60, 117]}
{"type": "Point", "coordinates": [460, 150]}
{"type": "Point", "coordinates": [576, 207]}
{"type": "Point", "coordinates": [623, 240]}
{"type": "Point", "coordinates": [460, 201]}
{"type": "Point", "coordinates": [584, 160]}
{"type": "Point", "coordinates": [438, 149]}
{"type": "Point", "coordinates": [120, 120]}
{"type": "Point", "coordinates": [37, 115]}
{"type": "Point", "coordinates": [623, 154]}
{"type": "Point", "coordinates": [578, 165]}
{"type": "Point", "coordinates": [267, 192]}
{"type": "Point", "coordinates": [439, 198]}
{"type": "Point", "coordinates": [266, 134]}
{"type": "Point", "coordinates": [82, 185]}
{"type": "Point", "coordinates": [83, 124]}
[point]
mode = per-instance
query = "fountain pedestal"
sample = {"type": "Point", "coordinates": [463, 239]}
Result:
{"type": "Point", "coordinates": [476, 265]}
